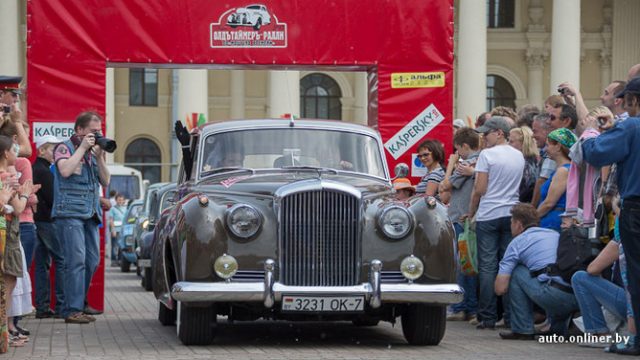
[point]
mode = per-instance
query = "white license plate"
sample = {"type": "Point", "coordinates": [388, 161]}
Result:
{"type": "Point", "coordinates": [322, 303]}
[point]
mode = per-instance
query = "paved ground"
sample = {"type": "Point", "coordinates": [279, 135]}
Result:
{"type": "Point", "coordinates": [129, 329]}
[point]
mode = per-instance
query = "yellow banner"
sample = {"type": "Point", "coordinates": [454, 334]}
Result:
{"type": "Point", "coordinates": [417, 80]}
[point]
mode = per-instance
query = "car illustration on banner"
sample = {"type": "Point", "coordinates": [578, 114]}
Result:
{"type": "Point", "coordinates": [251, 15]}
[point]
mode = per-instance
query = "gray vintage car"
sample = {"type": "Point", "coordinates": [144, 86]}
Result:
{"type": "Point", "coordinates": [297, 221]}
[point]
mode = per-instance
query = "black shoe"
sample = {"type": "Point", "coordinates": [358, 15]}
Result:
{"type": "Point", "coordinates": [22, 330]}
{"type": "Point", "coordinates": [510, 335]}
{"type": "Point", "coordinates": [91, 311]}
{"type": "Point", "coordinates": [631, 350]}
{"type": "Point", "coordinates": [45, 314]}
{"type": "Point", "coordinates": [485, 325]}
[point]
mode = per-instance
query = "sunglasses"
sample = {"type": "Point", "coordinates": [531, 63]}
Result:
{"type": "Point", "coordinates": [424, 155]}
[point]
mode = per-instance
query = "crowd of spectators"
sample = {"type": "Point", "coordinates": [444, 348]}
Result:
{"type": "Point", "coordinates": [529, 181]}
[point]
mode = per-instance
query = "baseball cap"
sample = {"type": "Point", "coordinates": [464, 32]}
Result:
{"type": "Point", "coordinates": [10, 83]}
{"type": "Point", "coordinates": [403, 184]}
{"type": "Point", "coordinates": [459, 123]}
{"type": "Point", "coordinates": [632, 86]}
{"type": "Point", "coordinates": [47, 139]}
{"type": "Point", "coordinates": [495, 123]}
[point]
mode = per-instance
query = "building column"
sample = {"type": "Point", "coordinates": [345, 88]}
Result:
{"type": "Point", "coordinates": [565, 44]}
{"type": "Point", "coordinates": [236, 85]}
{"type": "Point", "coordinates": [283, 93]}
{"type": "Point", "coordinates": [193, 93]}
{"type": "Point", "coordinates": [472, 59]}
{"type": "Point", "coordinates": [110, 110]}
{"type": "Point", "coordinates": [535, 65]}
{"type": "Point", "coordinates": [360, 92]}
{"type": "Point", "coordinates": [10, 30]}
{"type": "Point", "coordinates": [626, 28]}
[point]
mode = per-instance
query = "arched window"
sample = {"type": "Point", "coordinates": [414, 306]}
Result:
{"type": "Point", "coordinates": [499, 93]}
{"type": "Point", "coordinates": [320, 97]}
{"type": "Point", "coordinates": [144, 155]}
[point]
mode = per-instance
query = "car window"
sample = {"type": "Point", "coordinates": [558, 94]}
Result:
{"type": "Point", "coordinates": [254, 7]}
{"type": "Point", "coordinates": [166, 199]}
{"type": "Point", "coordinates": [134, 211]}
{"type": "Point", "coordinates": [277, 148]}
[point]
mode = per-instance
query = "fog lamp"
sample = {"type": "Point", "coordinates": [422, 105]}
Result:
{"type": "Point", "coordinates": [225, 266]}
{"type": "Point", "coordinates": [411, 267]}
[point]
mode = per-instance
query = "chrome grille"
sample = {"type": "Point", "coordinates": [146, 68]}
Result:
{"type": "Point", "coordinates": [318, 239]}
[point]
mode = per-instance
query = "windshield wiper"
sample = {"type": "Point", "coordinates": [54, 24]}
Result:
{"type": "Point", "coordinates": [307, 167]}
{"type": "Point", "coordinates": [225, 169]}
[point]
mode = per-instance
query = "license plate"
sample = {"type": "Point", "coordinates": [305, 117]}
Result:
{"type": "Point", "coordinates": [322, 303]}
{"type": "Point", "coordinates": [128, 230]}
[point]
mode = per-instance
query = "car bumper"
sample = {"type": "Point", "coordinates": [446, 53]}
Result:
{"type": "Point", "coordinates": [270, 292]}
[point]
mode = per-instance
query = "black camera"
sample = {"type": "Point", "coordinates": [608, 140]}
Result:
{"type": "Point", "coordinates": [108, 145]}
{"type": "Point", "coordinates": [561, 91]}
{"type": "Point", "coordinates": [6, 109]}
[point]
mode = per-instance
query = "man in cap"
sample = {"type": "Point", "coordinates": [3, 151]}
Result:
{"type": "Point", "coordinates": [496, 190]}
{"type": "Point", "coordinates": [10, 107]}
{"type": "Point", "coordinates": [621, 145]}
{"type": "Point", "coordinates": [48, 247]}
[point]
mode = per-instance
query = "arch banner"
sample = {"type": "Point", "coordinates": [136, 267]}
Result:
{"type": "Point", "coordinates": [408, 44]}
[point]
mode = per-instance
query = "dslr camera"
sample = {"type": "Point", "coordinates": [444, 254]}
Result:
{"type": "Point", "coordinates": [108, 145]}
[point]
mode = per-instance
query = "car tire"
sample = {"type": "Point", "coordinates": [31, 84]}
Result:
{"type": "Point", "coordinates": [197, 325]}
{"type": "Point", "coordinates": [424, 324]}
{"type": "Point", "coordinates": [166, 316]}
{"type": "Point", "coordinates": [125, 266]}
{"type": "Point", "coordinates": [147, 284]}
{"type": "Point", "coordinates": [258, 24]}
{"type": "Point", "coordinates": [365, 322]}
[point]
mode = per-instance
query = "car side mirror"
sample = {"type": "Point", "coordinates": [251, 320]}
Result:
{"type": "Point", "coordinates": [401, 170]}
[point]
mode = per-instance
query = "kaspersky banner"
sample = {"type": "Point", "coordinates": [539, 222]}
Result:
{"type": "Point", "coordinates": [407, 44]}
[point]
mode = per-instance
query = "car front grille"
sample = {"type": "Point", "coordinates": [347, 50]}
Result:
{"type": "Point", "coordinates": [319, 239]}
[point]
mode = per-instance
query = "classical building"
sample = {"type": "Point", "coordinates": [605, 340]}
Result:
{"type": "Point", "coordinates": [508, 52]}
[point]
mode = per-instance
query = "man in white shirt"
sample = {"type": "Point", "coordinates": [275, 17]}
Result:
{"type": "Point", "coordinates": [496, 190]}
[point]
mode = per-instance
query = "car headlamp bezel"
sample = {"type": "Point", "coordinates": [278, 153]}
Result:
{"type": "Point", "coordinates": [383, 216]}
{"type": "Point", "coordinates": [256, 221]}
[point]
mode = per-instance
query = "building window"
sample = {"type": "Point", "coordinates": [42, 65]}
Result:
{"type": "Point", "coordinates": [143, 87]}
{"type": "Point", "coordinates": [320, 97]}
{"type": "Point", "coordinates": [499, 93]}
{"type": "Point", "coordinates": [144, 155]}
{"type": "Point", "coordinates": [501, 13]}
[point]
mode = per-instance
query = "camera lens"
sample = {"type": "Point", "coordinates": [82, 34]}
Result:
{"type": "Point", "coordinates": [106, 144]}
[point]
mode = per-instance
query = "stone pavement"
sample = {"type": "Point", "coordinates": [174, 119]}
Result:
{"type": "Point", "coordinates": [129, 329]}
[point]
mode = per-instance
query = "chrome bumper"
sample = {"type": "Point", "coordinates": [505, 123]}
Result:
{"type": "Point", "coordinates": [270, 292]}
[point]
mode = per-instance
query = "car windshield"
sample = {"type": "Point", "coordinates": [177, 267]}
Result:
{"type": "Point", "coordinates": [253, 7]}
{"type": "Point", "coordinates": [291, 147]}
{"type": "Point", "coordinates": [134, 211]}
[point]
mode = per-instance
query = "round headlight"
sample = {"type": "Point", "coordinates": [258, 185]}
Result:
{"type": "Point", "coordinates": [243, 221]}
{"type": "Point", "coordinates": [411, 267]}
{"type": "Point", "coordinates": [395, 222]}
{"type": "Point", "coordinates": [145, 224]}
{"type": "Point", "coordinates": [225, 266]}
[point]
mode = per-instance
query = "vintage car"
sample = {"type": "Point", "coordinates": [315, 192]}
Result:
{"type": "Point", "coordinates": [159, 199]}
{"type": "Point", "coordinates": [126, 242]}
{"type": "Point", "coordinates": [141, 221]}
{"type": "Point", "coordinates": [251, 15]}
{"type": "Point", "coordinates": [296, 220]}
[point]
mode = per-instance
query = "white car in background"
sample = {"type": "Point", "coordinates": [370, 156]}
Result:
{"type": "Point", "coordinates": [251, 15]}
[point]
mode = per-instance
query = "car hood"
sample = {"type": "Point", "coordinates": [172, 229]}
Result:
{"type": "Point", "coordinates": [268, 184]}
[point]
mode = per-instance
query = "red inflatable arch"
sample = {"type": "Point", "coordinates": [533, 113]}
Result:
{"type": "Point", "coordinates": [406, 46]}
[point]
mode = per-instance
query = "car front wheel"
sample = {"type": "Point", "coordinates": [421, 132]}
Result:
{"type": "Point", "coordinates": [125, 266]}
{"type": "Point", "coordinates": [197, 325]}
{"type": "Point", "coordinates": [257, 25]}
{"type": "Point", "coordinates": [424, 324]}
{"type": "Point", "coordinates": [166, 316]}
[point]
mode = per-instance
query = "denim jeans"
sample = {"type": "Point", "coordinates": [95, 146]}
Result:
{"type": "Point", "coordinates": [48, 247]}
{"type": "Point", "coordinates": [525, 290]}
{"type": "Point", "coordinates": [630, 239]}
{"type": "Point", "coordinates": [593, 292]}
{"type": "Point", "coordinates": [28, 240]}
{"type": "Point", "coordinates": [493, 237]}
{"type": "Point", "coordinates": [469, 284]}
{"type": "Point", "coordinates": [81, 244]}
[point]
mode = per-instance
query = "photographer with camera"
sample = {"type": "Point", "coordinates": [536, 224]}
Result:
{"type": "Point", "coordinates": [80, 169]}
